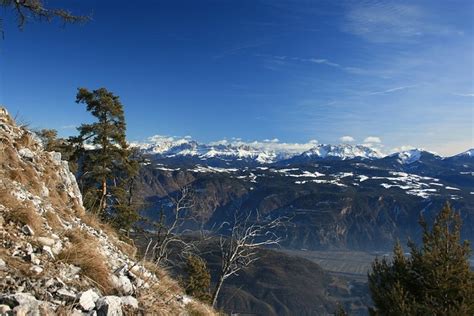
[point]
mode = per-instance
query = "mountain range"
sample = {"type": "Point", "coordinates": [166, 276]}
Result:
{"type": "Point", "coordinates": [251, 154]}
{"type": "Point", "coordinates": [338, 196]}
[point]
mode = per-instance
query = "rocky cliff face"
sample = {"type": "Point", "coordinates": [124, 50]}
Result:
{"type": "Point", "coordinates": [57, 259]}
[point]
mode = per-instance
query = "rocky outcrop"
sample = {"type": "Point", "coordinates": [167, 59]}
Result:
{"type": "Point", "coordinates": [57, 259]}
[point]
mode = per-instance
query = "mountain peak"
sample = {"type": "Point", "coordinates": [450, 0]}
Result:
{"type": "Point", "coordinates": [467, 153]}
{"type": "Point", "coordinates": [410, 156]}
{"type": "Point", "coordinates": [343, 152]}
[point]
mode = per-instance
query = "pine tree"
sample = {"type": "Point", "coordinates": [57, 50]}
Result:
{"type": "Point", "coordinates": [49, 138]}
{"type": "Point", "coordinates": [107, 166]}
{"type": "Point", "coordinates": [36, 9]}
{"type": "Point", "coordinates": [198, 279]}
{"type": "Point", "coordinates": [434, 280]}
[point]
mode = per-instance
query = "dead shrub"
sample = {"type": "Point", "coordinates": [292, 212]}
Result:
{"type": "Point", "coordinates": [84, 253]}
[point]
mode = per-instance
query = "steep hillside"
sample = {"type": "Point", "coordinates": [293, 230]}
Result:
{"type": "Point", "coordinates": [57, 259]}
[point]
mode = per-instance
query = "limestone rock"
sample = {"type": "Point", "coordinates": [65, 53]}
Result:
{"type": "Point", "coordinates": [33, 259]}
{"type": "Point", "coordinates": [129, 301]}
{"type": "Point", "coordinates": [36, 269]}
{"type": "Point", "coordinates": [48, 251]}
{"type": "Point", "coordinates": [4, 309]}
{"type": "Point", "coordinates": [109, 306]}
{"type": "Point", "coordinates": [27, 230]}
{"type": "Point", "coordinates": [57, 247]}
{"type": "Point", "coordinates": [22, 303]}
{"type": "Point", "coordinates": [66, 295]}
{"type": "Point", "coordinates": [87, 300]}
{"type": "Point", "coordinates": [123, 284]}
{"type": "Point", "coordinates": [26, 153]}
{"type": "Point", "coordinates": [45, 241]}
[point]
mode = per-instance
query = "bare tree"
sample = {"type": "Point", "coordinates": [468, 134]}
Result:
{"type": "Point", "coordinates": [168, 232]}
{"type": "Point", "coordinates": [240, 248]}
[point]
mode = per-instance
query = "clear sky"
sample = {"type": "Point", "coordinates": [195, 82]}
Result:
{"type": "Point", "coordinates": [398, 72]}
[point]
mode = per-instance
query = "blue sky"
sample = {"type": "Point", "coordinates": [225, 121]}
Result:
{"type": "Point", "coordinates": [398, 72]}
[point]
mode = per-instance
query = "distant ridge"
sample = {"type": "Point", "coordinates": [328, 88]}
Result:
{"type": "Point", "coordinates": [268, 152]}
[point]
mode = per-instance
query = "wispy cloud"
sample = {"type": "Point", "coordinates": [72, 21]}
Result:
{"type": "Point", "coordinates": [464, 94]}
{"type": "Point", "coordinates": [285, 60]}
{"type": "Point", "coordinates": [392, 90]}
{"type": "Point", "coordinates": [381, 21]}
{"type": "Point", "coordinates": [324, 61]}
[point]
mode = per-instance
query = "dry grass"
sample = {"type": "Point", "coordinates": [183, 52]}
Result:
{"type": "Point", "coordinates": [199, 309]}
{"type": "Point", "coordinates": [9, 157]}
{"type": "Point", "coordinates": [25, 174]}
{"type": "Point", "coordinates": [153, 268]}
{"type": "Point", "coordinates": [84, 253]}
{"type": "Point", "coordinates": [23, 213]}
{"type": "Point", "coordinates": [53, 221]}
{"type": "Point", "coordinates": [27, 215]}
{"type": "Point", "coordinates": [64, 310]}
{"type": "Point", "coordinates": [9, 118]}
{"type": "Point", "coordinates": [126, 246]}
{"type": "Point", "coordinates": [25, 140]}
{"type": "Point", "coordinates": [6, 199]}
{"type": "Point", "coordinates": [94, 221]}
{"type": "Point", "coordinates": [16, 264]}
{"type": "Point", "coordinates": [160, 298]}
{"type": "Point", "coordinates": [78, 209]}
{"type": "Point", "coordinates": [50, 177]}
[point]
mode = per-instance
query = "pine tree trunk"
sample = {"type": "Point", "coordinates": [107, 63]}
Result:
{"type": "Point", "coordinates": [103, 199]}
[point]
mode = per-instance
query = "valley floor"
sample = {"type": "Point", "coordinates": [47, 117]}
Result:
{"type": "Point", "coordinates": [350, 264]}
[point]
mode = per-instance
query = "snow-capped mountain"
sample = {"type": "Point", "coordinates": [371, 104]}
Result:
{"type": "Point", "coordinates": [468, 153]}
{"type": "Point", "coordinates": [170, 148]}
{"type": "Point", "coordinates": [238, 153]}
{"type": "Point", "coordinates": [343, 152]}
{"type": "Point", "coordinates": [413, 155]}
{"type": "Point", "coordinates": [409, 156]}
{"type": "Point", "coordinates": [251, 152]}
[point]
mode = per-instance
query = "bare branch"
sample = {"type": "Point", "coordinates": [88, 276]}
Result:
{"type": "Point", "coordinates": [239, 249]}
{"type": "Point", "coordinates": [35, 9]}
{"type": "Point", "coordinates": [168, 233]}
